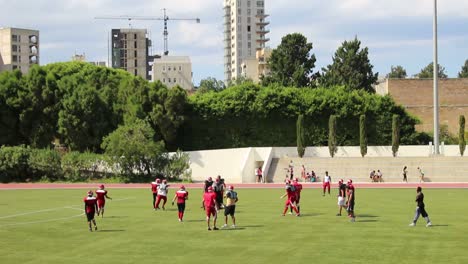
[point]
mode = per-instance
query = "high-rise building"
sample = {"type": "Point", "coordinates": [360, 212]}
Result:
{"type": "Point", "coordinates": [244, 33]}
{"type": "Point", "coordinates": [19, 49]}
{"type": "Point", "coordinates": [173, 70]}
{"type": "Point", "coordinates": [130, 51]}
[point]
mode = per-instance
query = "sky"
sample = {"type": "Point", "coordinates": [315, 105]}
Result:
{"type": "Point", "coordinates": [397, 32]}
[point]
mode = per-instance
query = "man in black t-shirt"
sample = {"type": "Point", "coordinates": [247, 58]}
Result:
{"type": "Point", "coordinates": [341, 196]}
{"type": "Point", "coordinates": [218, 187]}
{"type": "Point", "coordinates": [351, 198]}
{"type": "Point", "coordinates": [420, 209]}
{"type": "Point", "coordinates": [208, 183]}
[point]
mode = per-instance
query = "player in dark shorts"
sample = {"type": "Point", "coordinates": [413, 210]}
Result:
{"type": "Point", "coordinates": [351, 200]}
{"type": "Point", "coordinates": [420, 209]}
{"type": "Point", "coordinates": [218, 188]}
{"type": "Point", "coordinates": [341, 196]}
{"type": "Point", "coordinates": [90, 209]}
{"type": "Point", "coordinates": [405, 171]}
{"type": "Point", "coordinates": [230, 209]}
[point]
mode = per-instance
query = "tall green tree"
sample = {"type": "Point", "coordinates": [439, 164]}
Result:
{"type": "Point", "coordinates": [210, 84]}
{"type": "Point", "coordinates": [461, 135]}
{"type": "Point", "coordinates": [362, 135]}
{"type": "Point", "coordinates": [464, 71]}
{"type": "Point", "coordinates": [300, 136]}
{"type": "Point", "coordinates": [292, 62]}
{"type": "Point", "coordinates": [11, 84]}
{"type": "Point", "coordinates": [351, 68]}
{"type": "Point", "coordinates": [332, 146]}
{"type": "Point", "coordinates": [397, 72]}
{"type": "Point", "coordinates": [428, 72]}
{"type": "Point", "coordinates": [395, 134]}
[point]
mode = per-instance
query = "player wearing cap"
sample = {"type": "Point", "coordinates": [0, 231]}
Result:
{"type": "Point", "coordinates": [154, 190]}
{"type": "Point", "coordinates": [298, 187]}
{"type": "Point", "coordinates": [230, 209]}
{"type": "Point", "coordinates": [209, 203]}
{"type": "Point", "coordinates": [101, 195]}
{"type": "Point", "coordinates": [162, 194]}
{"type": "Point", "coordinates": [420, 209]}
{"type": "Point", "coordinates": [290, 202]}
{"type": "Point", "coordinates": [341, 196]}
{"type": "Point", "coordinates": [90, 209]}
{"type": "Point", "coordinates": [351, 198]}
{"type": "Point", "coordinates": [182, 196]}
{"type": "Point", "coordinates": [208, 183]}
{"type": "Point", "coordinates": [326, 183]}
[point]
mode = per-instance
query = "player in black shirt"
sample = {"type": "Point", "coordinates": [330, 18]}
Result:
{"type": "Point", "coordinates": [420, 210]}
{"type": "Point", "coordinates": [341, 196]}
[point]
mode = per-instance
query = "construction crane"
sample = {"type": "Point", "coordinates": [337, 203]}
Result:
{"type": "Point", "coordinates": [165, 18]}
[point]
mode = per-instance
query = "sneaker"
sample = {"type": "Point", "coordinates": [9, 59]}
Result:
{"type": "Point", "coordinates": [353, 219]}
{"type": "Point", "coordinates": [298, 215]}
{"type": "Point", "coordinates": [209, 229]}
{"type": "Point", "coordinates": [233, 226]}
{"type": "Point", "coordinates": [224, 226]}
{"type": "Point", "coordinates": [338, 214]}
{"type": "Point", "coordinates": [95, 228]}
{"type": "Point", "coordinates": [180, 220]}
{"type": "Point", "coordinates": [290, 213]}
{"type": "Point", "coordinates": [429, 224]}
{"type": "Point", "coordinates": [90, 229]}
{"type": "Point", "coordinates": [412, 224]}
{"type": "Point", "coordinates": [215, 228]}
{"type": "Point", "coordinates": [164, 208]}
{"type": "Point", "coordinates": [282, 214]}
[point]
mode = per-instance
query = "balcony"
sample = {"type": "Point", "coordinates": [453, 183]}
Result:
{"type": "Point", "coordinates": [263, 31]}
{"type": "Point", "coordinates": [263, 40]}
{"type": "Point", "coordinates": [261, 15]}
{"type": "Point", "coordinates": [262, 23]}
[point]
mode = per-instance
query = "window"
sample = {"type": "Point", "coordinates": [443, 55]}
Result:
{"type": "Point", "coordinates": [135, 44]}
{"type": "Point", "coordinates": [136, 64]}
{"type": "Point", "coordinates": [135, 36]}
{"type": "Point", "coordinates": [168, 68]}
{"type": "Point", "coordinates": [249, 44]}
{"type": "Point", "coordinates": [14, 58]}
{"type": "Point", "coordinates": [136, 72]}
{"type": "Point", "coordinates": [259, 11]}
{"type": "Point", "coordinates": [260, 3]}
{"type": "Point", "coordinates": [249, 36]}
{"type": "Point", "coordinates": [135, 53]}
{"type": "Point", "coordinates": [14, 48]}
{"type": "Point", "coordinates": [164, 68]}
{"type": "Point", "coordinates": [15, 67]}
{"type": "Point", "coordinates": [164, 80]}
{"type": "Point", "coordinates": [239, 11]}
{"type": "Point", "coordinates": [14, 38]}
{"type": "Point", "coordinates": [180, 68]}
{"type": "Point", "coordinates": [248, 3]}
{"type": "Point", "coordinates": [248, 28]}
{"type": "Point", "coordinates": [249, 20]}
{"type": "Point", "coordinates": [169, 80]}
{"type": "Point", "coordinates": [175, 80]}
{"type": "Point", "coordinates": [248, 11]}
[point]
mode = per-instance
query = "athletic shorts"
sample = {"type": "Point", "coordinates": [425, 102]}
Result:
{"type": "Point", "coordinates": [290, 202]}
{"type": "Point", "coordinates": [210, 211]}
{"type": "Point", "coordinates": [230, 210]}
{"type": "Point", "coordinates": [90, 216]}
{"type": "Point", "coordinates": [298, 199]}
{"type": "Point", "coordinates": [341, 201]}
{"type": "Point", "coordinates": [326, 184]}
{"type": "Point", "coordinates": [350, 206]}
{"type": "Point", "coordinates": [101, 203]}
{"type": "Point", "coordinates": [181, 207]}
{"type": "Point", "coordinates": [219, 198]}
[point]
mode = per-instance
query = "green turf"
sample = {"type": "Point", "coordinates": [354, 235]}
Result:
{"type": "Point", "coordinates": [132, 232]}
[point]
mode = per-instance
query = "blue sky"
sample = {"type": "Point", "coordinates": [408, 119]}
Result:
{"type": "Point", "coordinates": [397, 32]}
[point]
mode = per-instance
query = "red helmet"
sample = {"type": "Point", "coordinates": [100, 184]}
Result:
{"type": "Point", "coordinates": [210, 189]}
{"type": "Point", "coordinates": [182, 187]}
{"type": "Point", "coordinates": [90, 193]}
{"type": "Point", "coordinates": [217, 180]}
{"type": "Point", "coordinates": [158, 180]}
{"type": "Point", "coordinates": [340, 181]}
{"type": "Point", "coordinates": [296, 179]}
{"type": "Point", "coordinates": [210, 179]}
{"type": "Point", "coordinates": [164, 181]}
{"type": "Point", "coordinates": [350, 181]}
{"type": "Point", "coordinates": [231, 187]}
{"type": "Point", "coordinates": [101, 186]}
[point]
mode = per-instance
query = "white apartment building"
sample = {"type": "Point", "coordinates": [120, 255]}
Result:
{"type": "Point", "coordinates": [19, 49]}
{"type": "Point", "coordinates": [173, 70]}
{"type": "Point", "coordinates": [244, 33]}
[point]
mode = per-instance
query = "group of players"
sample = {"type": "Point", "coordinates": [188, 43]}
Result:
{"type": "Point", "coordinates": [95, 204]}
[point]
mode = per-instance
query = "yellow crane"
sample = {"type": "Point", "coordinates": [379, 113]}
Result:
{"type": "Point", "coordinates": [165, 18]}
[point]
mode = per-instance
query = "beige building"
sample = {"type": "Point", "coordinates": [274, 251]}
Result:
{"type": "Point", "coordinates": [255, 68]}
{"type": "Point", "coordinates": [130, 51]}
{"type": "Point", "coordinates": [173, 70]}
{"type": "Point", "coordinates": [19, 49]}
{"type": "Point", "coordinates": [244, 34]}
{"type": "Point", "coordinates": [416, 95]}
{"type": "Point", "coordinates": [82, 58]}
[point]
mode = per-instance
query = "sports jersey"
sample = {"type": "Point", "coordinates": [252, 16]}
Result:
{"type": "Point", "coordinates": [162, 189]}
{"type": "Point", "coordinates": [208, 184]}
{"type": "Point", "coordinates": [90, 204]}
{"type": "Point", "coordinates": [298, 188]}
{"type": "Point", "coordinates": [291, 191]}
{"type": "Point", "coordinates": [342, 187]}
{"type": "Point", "coordinates": [231, 198]}
{"type": "Point", "coordinates": [218, 187]}
{"type": "Point", "coordinates": [182, 195]}
{"type": "Point", "coordinates": [326, 179]}
{"type": "Point", "coordinates": [351, 192]}
{"type": "Point", "coordinates": [100, 194]}
{"type": "Point", "coordinates": [420, 199]}
{"type": "Point", "coordinates": [154, 187]}
{"type": "Point", "coordinates": [208, 199]}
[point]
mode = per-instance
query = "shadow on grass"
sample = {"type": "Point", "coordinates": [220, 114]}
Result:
{"type": "Point", "coordinates": [367, 216]}
{"type": "Point", "coordinates": [116, 216]}
{"type": "Point", "coordinates": [111, 230]}
{"type": "Point", "coordinates": [231, 229]}
{"type": "Point", "coordinates": [440, 225]}
{"type": "Point", "coordinates": [193, 221]}
{"type": "Point", "coordinates": [249, 226]}
{"type": "Point", "coordinates": [309, 214]}
{"type": "Point", "coordinates": [366, 221]}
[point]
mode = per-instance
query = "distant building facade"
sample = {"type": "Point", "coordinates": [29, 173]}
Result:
{"type": "Point", "coordinates": [130, 51]}
{"type": "Point", "coordinates": [255, 68]}
{"type": "Point", "coordinates": [82, 58]}
{"type": "Point", "coordinates": [244, 33]}
{"type": "Point", "coordinates": [19, 49]}
{"type": "Point", "coordinates": [416, 95]}
{"type": "Point", "coordinates": [173, 70]}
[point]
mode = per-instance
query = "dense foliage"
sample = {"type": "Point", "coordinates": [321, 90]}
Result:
{"type": "Point", "coordinates": [428, 72]}
{"type": "Point", "coordinates": [464, 71]}
{"type": "Point", "coordinates": [397, 72]}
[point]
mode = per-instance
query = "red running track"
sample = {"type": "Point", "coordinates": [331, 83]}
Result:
{"type": "Point", "coordinates": [20, 186]}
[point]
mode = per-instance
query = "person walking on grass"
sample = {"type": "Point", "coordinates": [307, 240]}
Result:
{"type": "Point", "coordinates": [341, 196]}
{"type": "Point", "coordinates": [351, 200]}
{"type": "Point", "coordinates": [209, 204]}
{"type": "Point", "coordinates": [101, 195]}
{"type": "Point", "coordinates": [154, 190]}
{"type": "Point", "coordinates": [326, 183]}
{"type": "Point", "coordinates": [405, 173]}
{"type": "Point", "coordinates": [420, 209]}
{"type": "Point", "coordinates": [230, 209]}
{"type": "Point", "coordinates": [90, 209]}
{"type": "Point", "coordinates": [182, 196]}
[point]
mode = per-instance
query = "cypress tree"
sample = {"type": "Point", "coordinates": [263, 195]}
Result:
{"type": "Point", "coordinates": [461, 135]}
{"type": "Point", "coordinates": [363, 135]}
{"type": "Point", "coordinates": [395, 134]}
{"type": "Point", "coordinates": [332, 136]}
{"type": "Point", "coordinates": [300, 135]}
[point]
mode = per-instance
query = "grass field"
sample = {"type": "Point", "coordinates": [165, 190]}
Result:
{"type": "Point", "coordinates": [47, 226]}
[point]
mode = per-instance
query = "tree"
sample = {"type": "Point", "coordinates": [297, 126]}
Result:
{"type": "Point", "coordinates": [291, 63]}
{"type": "Point", "coordinates": [332, 136]}
{"type": "Point", "coordinates": [464, 71]}
{"type": "Point", "coordinates": [397, 72]}
{"type": "Point", "coordinates": [300, 135]}
{"type": "Point", "coordinates": [395, 134]}
{"type": "Point", "coordinates": [210, 84]}
{"type": "Point", "coordinates": [133, 149]}
{"type": "Point", "coordinates": [363, 135]}
{"type": "Point", "coordinates": [461, 135]}
{"type": "Point", "coordinates": [351, 68]}
{"type": "Point", "coordinates": [428, 72]}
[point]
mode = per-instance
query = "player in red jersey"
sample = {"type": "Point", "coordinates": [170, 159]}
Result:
{"type": "Point", "coordinates": [90, 209]}
{"type": "Point", "coordinates": [182, 196]}
{"type": "Point", "coordinates": [298, 186]}
{"type": "Point", "coordinates": [162, 194]}
{"type": "Point", "coordinates": [101, 196]}
{"type": "Point", "coordinates": [154, 190]}
{"type": "Point", "coordinates": [209, 203]}
{"type": "Point", "coordinates": [291, 193]}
